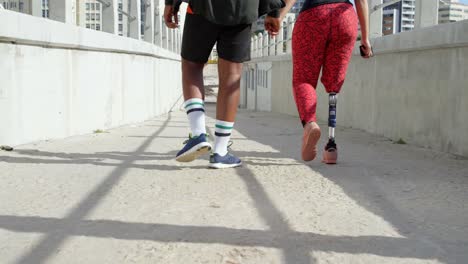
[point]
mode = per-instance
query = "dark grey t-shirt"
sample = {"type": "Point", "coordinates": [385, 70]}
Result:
{"type": "Point", "coordinates": [233, 12]}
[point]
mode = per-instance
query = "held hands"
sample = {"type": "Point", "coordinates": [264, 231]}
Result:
{"type": "Point", "coordinates": [366, 49]}
{"type": "Point", "coordinates": [272, 25]}
{"type": "Point", "coordinates": [171, 19]}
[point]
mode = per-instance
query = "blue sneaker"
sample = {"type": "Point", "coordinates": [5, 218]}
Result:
{"type": "Point", "coordinates": [194, 148]}
{"type": "Point", "coordinates": [222, 162]}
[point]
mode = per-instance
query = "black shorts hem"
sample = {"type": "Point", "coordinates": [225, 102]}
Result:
{"type": "Point", "coordinates": [235, 60]}
{"type": "Point", "coordinates": [193, 60]}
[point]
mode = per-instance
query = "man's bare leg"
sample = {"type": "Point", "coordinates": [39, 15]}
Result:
{"type": "Point", "coordinates": [229, 90]}
{"type": "Point", "coordinates": [192, 80]}
{"type": "Point", "coordinates": [226, 110]}
{"type": "Point", "coordinates": [194, 95]}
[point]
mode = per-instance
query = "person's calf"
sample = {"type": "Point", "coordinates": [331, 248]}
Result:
{"type": "Point", "coordinates": [192, 80]}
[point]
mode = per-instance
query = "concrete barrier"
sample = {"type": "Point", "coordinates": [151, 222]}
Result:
{"type": "Point", "coordinates": [415, 88]}
{"type": "Point", "coordinates": [59, 80]}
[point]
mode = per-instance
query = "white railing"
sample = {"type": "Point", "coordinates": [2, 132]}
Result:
{"type": "Point", "coordinates": [137, 19]}
{"type": "Point", "coordinates": [264, 45]}
{"type": "Point", "coordinates": [425, 15]}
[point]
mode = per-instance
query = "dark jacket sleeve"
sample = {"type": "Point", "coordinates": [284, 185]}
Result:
{"type": "Point", "coordinates": [274, 13]}
{"type": "Point", "coordinates": [270, 7]}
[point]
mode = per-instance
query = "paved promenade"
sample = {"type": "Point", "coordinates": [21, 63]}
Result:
{"type": "Point", "coordinates": [119, 197]}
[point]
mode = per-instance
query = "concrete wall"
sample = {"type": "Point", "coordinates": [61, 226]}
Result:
{"type": "Point", "coordinates": [415, 88]}
{"type": "Point", "coordinates": [58, 80]}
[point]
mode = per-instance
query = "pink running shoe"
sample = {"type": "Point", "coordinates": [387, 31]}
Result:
{"type": "Point", "coordinates": [330, 153]}
{"type": "Point", "coordinates": [309, 141]}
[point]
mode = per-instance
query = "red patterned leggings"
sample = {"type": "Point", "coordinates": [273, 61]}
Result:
{"type": "Point", "coordinates": [323, 38]}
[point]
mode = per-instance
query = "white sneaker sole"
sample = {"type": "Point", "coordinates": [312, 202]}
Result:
{"type": "Point", "coordinates": [224, 166]}
{"type": "Point", "coordinates": [195, 152]}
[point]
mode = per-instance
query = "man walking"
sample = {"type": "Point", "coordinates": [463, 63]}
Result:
{"type": "Point", "coordinates": [228, 24]}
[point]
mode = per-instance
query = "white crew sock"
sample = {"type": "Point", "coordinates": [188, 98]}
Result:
{"type": "Point", "coordinates": [195, 109]}
{"type": "Point", "coordinates": [223, 131]}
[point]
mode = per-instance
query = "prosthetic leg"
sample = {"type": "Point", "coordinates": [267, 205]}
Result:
{"type": "Point", "coordinates": [330, 155]}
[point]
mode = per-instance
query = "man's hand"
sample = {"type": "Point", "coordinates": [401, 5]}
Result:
{"type": "Point", "coordinates": [170, 18]}
{"type": "Point", "coordinates": [272, 25]}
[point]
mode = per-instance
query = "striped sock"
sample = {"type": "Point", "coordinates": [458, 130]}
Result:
{"type": "Point", "coordinates": [195, 109]}
{"type": "Point", "coordinates": [223, 131]}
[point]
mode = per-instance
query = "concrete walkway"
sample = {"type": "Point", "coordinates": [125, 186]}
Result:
{"type": "Point", "coordinates": [119, 197]}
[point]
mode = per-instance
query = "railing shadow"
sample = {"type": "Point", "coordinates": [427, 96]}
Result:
{"type": "Point", "coordinates": [358, 175]}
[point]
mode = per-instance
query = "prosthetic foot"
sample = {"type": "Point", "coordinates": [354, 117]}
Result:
{"type": "Point", "coordinates": [330, 154]}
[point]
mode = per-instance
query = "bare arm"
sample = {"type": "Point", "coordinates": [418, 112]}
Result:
{"type": "Point", "coordinates": [285, 10]}
{"type": "Point", "coordinates": [362, 9]}
{"type": "Point", "coordinates": [273, 24]}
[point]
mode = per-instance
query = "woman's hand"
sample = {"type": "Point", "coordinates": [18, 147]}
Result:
{"type": "Point", "coordinates": [272, 25]}
{"type": "Point", "coordinates": [366, 48]}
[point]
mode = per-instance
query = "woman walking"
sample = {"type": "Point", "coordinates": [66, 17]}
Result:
{"type": "Point", "coordinates": [323, 40]}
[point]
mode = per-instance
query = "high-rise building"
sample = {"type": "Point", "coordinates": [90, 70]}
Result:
{"type": "Point", "coordinates": [391, 22]}
{"type": "Point", "coordinates": [452, 11]}
{"type": "Point", "coordinates": [89, 14]}
{"type": "Point", "coordinates": [405, 15]}
{"type": "Point", "coordinates": [45, 8]}
{"type": "Point", "coordinates": [24, 6]}
{"type": "Point", "coordinates": [123, 19]}
{"type": "Point", "coordinates": [14, 5]}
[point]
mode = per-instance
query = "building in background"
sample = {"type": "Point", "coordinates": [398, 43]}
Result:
{"type": "Point", "coordinates": [404, 16]}
{"type": "Point", "coordinates": [45, 8]}
{"type": "Point", "coordinates": [391, 22]}
{"type": "Point", "coordinates": [89, 14]}
{"type": "Point", "coordinates": [123, 19]}
{"type": "Point", "coordinates": [452, 11]}
{"type": "Point", "coordinates": [24, 6]}
{"type": "Point", "coordinates": [14, 5]}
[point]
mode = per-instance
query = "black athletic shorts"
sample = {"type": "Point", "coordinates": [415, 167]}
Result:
{"type": "Point", "coordinates": [200, 35]}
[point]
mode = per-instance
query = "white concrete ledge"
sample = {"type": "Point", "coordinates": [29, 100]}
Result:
{"type": "Point", "coordinates": [59, 80]}
{"type": "Point", "coordinates": [449, 35]}
{"type": "Point", "coordinates": [30, 30]}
